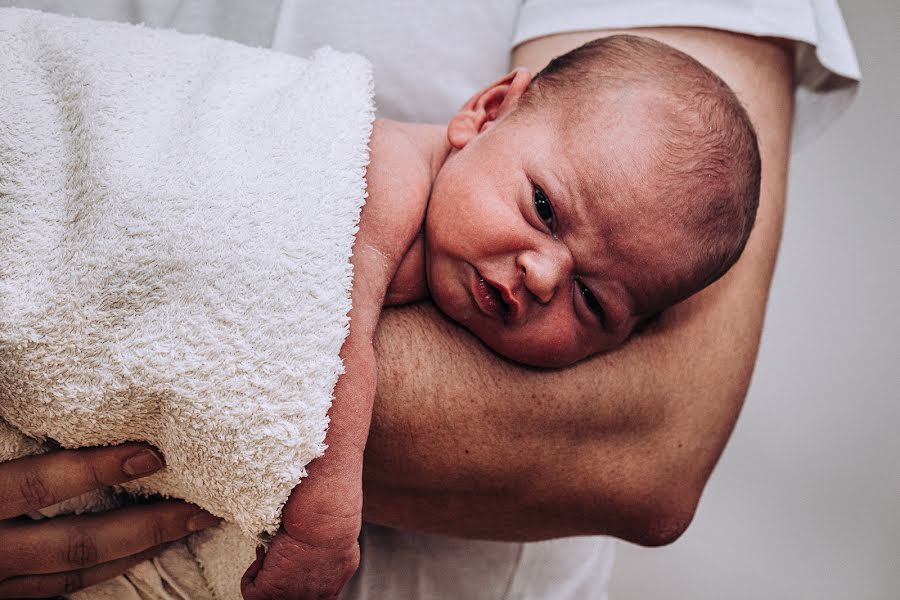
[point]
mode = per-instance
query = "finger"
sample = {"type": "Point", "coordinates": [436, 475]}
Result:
{"type": "Point", "coordinates": [42, 586]}
{"type": "Point", "coordinates": [83, 541]}
{"type": "Point", "coordinates": [292, 569]}
{"type": "Point", "coordinates": [250, 574]}
{"type": "Point", "coordinates": [33, 482]}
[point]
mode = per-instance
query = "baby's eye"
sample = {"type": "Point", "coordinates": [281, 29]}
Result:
{"type": "Point", "coordinates": [592, 303]}
{"type": "Point", "coordinates": [543, 207]}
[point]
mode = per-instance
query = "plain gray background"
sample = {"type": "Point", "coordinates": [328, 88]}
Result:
{"type": "Point", "coordinates": [805, 502]}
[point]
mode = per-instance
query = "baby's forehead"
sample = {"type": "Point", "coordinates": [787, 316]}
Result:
{"type": "Point", "coordinates": [611, 159]}
{"type": "Point", "coordinates": [621, 225]}
{"type": "Point", "coordinates": [577, 109]}
{"type": "Point", "coordinates": [608, 155]}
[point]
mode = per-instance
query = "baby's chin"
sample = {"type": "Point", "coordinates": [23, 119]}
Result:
{"type": "Point", "coordinates": [541, 361]}
{"type": "Point", "coordinates": [534, 354]}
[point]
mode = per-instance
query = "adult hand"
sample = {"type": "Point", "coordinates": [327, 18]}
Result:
{"type": "Point", "coordinates": [60, 555]}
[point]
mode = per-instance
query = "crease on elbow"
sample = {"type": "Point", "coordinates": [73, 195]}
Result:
{"type": "Point", "coordinates": [665, 512]}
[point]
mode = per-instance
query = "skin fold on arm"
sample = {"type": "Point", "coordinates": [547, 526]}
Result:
{"type": "Point", "coordinates": [466, 444]}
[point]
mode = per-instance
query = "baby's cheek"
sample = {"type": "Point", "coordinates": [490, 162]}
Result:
{"type": "Point", "coordinates": [564, 347]}
{"type": "Point", "coordinates": [555, 345]}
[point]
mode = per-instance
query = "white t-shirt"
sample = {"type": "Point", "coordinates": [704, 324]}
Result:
{"type": "Point", "coordinates": [429, 57]}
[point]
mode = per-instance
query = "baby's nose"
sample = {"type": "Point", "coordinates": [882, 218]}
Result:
{"type": "Point", "coordinates": [545, 271]}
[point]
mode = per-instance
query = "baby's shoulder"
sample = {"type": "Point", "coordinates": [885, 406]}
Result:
{"type": "Point", "coordinates": [398, 183]}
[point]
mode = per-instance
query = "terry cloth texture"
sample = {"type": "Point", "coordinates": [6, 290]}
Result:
{"type": "Point", "coordinates": [177, 214]}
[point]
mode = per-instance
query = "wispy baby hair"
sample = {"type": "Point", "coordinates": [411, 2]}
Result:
{"type": "Point", "coordinates": [709, 156]}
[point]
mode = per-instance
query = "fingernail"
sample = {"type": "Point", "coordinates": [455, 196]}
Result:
{"type": "Point", "coordinates": [142, 463]}
{"type": "Point", "coordinates": [202, 520]}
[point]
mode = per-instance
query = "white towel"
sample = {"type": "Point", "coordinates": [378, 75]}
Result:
{"type": "Point", "coordinates": [176, 219]}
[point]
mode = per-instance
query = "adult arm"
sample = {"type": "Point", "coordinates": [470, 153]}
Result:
{"type": "Point", "coordinates": [465, 444]}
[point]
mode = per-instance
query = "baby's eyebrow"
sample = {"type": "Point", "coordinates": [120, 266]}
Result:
{"type": "Point", "coordinates": [567, 202]}
{"type": "Point", "coordinates": [584, 188]}
{"type": "Point", "coordinates": [579, 193]}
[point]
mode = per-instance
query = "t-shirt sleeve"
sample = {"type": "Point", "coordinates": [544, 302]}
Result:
{"type": "Point", "coordinates": [825, 67]}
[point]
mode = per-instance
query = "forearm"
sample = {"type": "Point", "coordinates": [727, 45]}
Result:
{"type": "Point", "coordinates": [621, 444]}
{"type": "Point", "coordinates": [465, 446]}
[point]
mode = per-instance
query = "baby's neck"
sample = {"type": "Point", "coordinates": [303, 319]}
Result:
{"type": "Point", "coordinates": [405, 159]}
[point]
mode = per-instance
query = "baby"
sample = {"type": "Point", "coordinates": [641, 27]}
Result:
{"type": "Point", "coordinates": [551, 217]}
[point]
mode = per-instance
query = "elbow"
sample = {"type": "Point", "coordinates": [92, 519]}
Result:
{"type": "Point", "coordinates": [650, 519]}
{"type": "Point", "coordinates": [662, 517]}
{"type": "Point", "coordinates": [662, 527]}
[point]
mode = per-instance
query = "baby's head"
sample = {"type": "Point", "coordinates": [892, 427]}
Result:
{"type": "Point", "coordinates": [575, 206]}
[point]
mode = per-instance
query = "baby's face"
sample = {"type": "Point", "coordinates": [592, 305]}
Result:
{"type": "Point", "coordinates": [537, 241]}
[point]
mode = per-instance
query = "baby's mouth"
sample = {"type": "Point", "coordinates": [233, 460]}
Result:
{"type": "Point", "coordinates": [490, 299]}
{"type": "Point", "coordinates": [498, 296]}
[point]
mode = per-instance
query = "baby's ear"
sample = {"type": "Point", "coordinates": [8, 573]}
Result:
{"type": "Point", "coordinates": [486, 106]}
